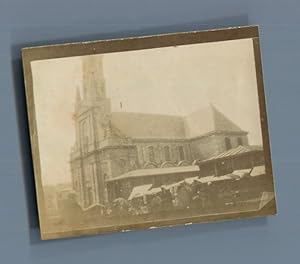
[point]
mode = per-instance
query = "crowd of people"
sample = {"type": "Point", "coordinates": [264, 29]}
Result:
{"type": "Point", "coordinates": [194, 196]}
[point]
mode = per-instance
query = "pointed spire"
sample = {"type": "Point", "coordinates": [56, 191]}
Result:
{"type": "Point", "coordinates": [212, 105]}
{"type": "Point", "coordinates": [93, 79]}
{"type": "Point", "coordinates": [78, 96]}
{"type": "Point", "coordinates": [212, 110]}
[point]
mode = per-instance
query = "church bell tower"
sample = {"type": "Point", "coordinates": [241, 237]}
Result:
{"type": "Point", "coordinates": [93, 103]}
{"type": "Point", "coordinates": [93, 78]}
{"type": "Point", "coordinates": [91, 116]}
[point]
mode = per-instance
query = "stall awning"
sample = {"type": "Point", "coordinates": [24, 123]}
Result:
{"type": "Point", "coordinates": [214, 179]}
{"type": "Point", "coordinates": [156, 171]}
{"type": "Point", "coordinates": [139, 191]}
{"type": "Point", "coordinates": [187, 180]}
{"type": "Point", "coordinates": [153, 191]}
{"type": "Point", "coordinates": [258, 170]}
{"type": "Point", "coordinates": [241, 173]}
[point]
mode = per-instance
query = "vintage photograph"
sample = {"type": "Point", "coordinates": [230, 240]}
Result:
{"type": "Point", "coordinates": [149, 137]}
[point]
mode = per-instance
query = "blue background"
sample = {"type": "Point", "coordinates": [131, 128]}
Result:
{"type": "Point", "coordinates": [263, 240]}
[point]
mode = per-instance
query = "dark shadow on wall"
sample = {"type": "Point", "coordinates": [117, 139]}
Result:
{"type": "Point", "coordinates": [24, 140]}
{"type": "Point", "coordinates": [91, 244]}
{"type": "Point", "coordinates": [32, 36]}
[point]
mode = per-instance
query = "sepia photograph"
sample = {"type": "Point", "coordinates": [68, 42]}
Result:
{"type": "Point", "coordinates": [148, 132]}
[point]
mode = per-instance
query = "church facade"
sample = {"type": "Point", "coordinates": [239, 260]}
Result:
{"type": "Point", "coordinates": [110, 144]}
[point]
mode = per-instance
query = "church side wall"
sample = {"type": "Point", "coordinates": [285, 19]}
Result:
{"type": "Point", "coordinates": [234, 141]}
{"type": "Point", "coordinates": [77, 181]}
{"type": "Point", "coordinates": [115, 161]}
{"type": "Point", "coordinates": [87, 181]}
{"type": "Point", "coordinates": [160, 147]}
{"type": "Point", "coordinates": [205, 147]}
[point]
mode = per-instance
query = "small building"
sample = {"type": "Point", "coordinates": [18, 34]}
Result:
{"type": "Point", "coordinates": [241, 157]}
{"type": "Point", "coordinates": [122, 185]}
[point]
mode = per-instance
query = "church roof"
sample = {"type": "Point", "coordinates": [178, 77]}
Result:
{"type": "Point", "coordinates": [156, 171]}
{"type": "Point", "coordinates": [143, 125]}
{"type": "Point", "coordinates": [139, 125]}
{"type": "Point", "coordinates": [207, 120]}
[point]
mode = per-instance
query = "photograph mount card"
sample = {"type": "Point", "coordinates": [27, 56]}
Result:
{"type": "Point", "coordinates": [147, 132]}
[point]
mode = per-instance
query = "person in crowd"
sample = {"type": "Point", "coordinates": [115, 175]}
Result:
{"type": "Point", "coordinates": [166, 199]}
{"type": "Point", "coordinates": [184, 194]}
{"type": "Point", "coordinates": [155, 204]}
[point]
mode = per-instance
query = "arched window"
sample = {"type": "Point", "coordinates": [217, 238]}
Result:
{"type": "Point", "coordinates": [105, 176]}
{"type": "Point", "coordinates": [181, 153]}
{"type": "Point", "coordinates": [167, 153]}
{"type": "Point", "coordinates": [122, 165]}
{"type": "Point", "coordinates": [133, 164]}
{"type": "Point", "coordinates": [84, 136]}
{"type": "Point", "coordinates": [78, 179]}
{"type": "Point", "coordinates": [240, 141]}
{"type": "Point", "coordinates": [89, 197]}
{"type": "Point", "coordinates": [228, 143]}
{"type": "Point", "coordinates": [151, 154]}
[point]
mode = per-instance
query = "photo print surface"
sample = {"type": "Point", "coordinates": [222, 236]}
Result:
{"type": "Point", "coordinates": [149, 137]}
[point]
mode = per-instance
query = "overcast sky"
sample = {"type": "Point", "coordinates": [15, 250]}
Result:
{"type": "Point", "coordinates": [173, 80]}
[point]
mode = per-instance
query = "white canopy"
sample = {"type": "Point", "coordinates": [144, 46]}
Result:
{"type": "Point", "coordinates": [214, 179]}
{"type": "Point", "coordinates": [241, 173]}
{"type": "Point", "coordinates": [258, 170]}
{"type": "Point", "coordinates": [139, 191]}
{"type": "Point", "coordinates": [153, 191]}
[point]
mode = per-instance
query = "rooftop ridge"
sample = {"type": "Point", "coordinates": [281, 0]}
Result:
{"type": "Point", "coordinates": [141, 113]}
{"type": "Point", "coordinates": [155, 125]}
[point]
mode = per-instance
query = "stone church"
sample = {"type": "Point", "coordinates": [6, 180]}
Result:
{"type": "Point", "coordinates": [110, 144]}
